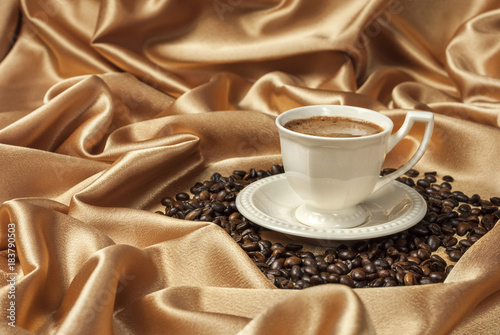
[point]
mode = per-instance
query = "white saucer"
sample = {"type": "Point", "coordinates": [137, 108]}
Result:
{"type": "Point", "coordinates": [271, 203]}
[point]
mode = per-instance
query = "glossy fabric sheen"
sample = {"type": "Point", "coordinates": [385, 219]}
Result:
{"type": "Point", "coordinates": [107, 106]}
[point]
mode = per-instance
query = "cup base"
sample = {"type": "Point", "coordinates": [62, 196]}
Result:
{"type": "Point", "coordinates": [342, 218]}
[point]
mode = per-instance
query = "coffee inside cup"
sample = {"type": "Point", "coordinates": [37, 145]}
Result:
{"type": "Point", "coordinates": [333, 126]}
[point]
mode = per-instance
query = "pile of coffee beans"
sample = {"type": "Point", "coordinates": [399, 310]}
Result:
{"type": "Point", "coordinates": [423, 254]}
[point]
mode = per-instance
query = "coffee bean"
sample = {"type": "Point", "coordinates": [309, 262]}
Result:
{"type": "Point", "coordinates": [423, 254]}
{"type": "Point", "coordinates": [434, 242]}
{"type": "Point", "coordinates": [370, 268]}
{"type": "Point", "coordinates": [386, 171]}
{"type": "Point", "coordinates": [346, 254]}
{"type": "Point", "coordinates": [437, 277]}
{"type": "Point", "coordinates": [455, 255]}
{"type": "Point", "coordinates": [449, 241]}
{"type": "Point", "coordinates": [425, 281]}
{"type": "Point", "coordinates": [495, 201]}
{"type": "Point", "coordinates": [317, 280]}
{"type": "Point", "coordinates": [412, 173]}
{"type": "Point", "coordinates": [475, 199]}
{"type": "Point", "coordinates": [332, 278]}
{"type": "Point", "coordinates": [310, 270]}
{"type": "Point", "coordinates": [478, 231]}
{"type": "Point", "coordinates": [293, 247]}
{"type": "Point", "coordinates": [414, 259]}
{"type": "Point", "coordinates": [448, 178]}
{"type": "Point", "coordinates": [463, 228]}
{"type": "Point", "coordinates": [277, 264]}
{"type": "Point", "coordinates": [423, 183]}
{"type": "Point", "coordinates": [193, 214]}
{"type": "Point", "coordinates": [358, 274]}
{"type": "Point", "coordinates": [446, 185]}
{"type": "Point", "coordinates": [405, 258]}
{"type": "Point", "coordinates": [346, 280]}
{"type": "Point", "coordinates": [292, 261]}
{"type": "Point", "coordinates": [430, 178]}
{"type": "Point", "coordinates": [296, 273]}
{"type": "Point", "coordinates": [409, 279]}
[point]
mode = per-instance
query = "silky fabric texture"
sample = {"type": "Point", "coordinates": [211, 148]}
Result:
{"type": "Point", "coordinates": [108, 106]}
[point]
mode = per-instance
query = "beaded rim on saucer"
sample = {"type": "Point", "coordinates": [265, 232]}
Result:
{"type": "Point", "coordinates": [255, 205]}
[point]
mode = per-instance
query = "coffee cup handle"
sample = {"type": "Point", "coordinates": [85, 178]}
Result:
{"type": "Point", "coordinates": [411, 118]}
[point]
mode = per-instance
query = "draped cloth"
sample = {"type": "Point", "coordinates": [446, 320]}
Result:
{"type": "Point", "coordinates": [108, 106]}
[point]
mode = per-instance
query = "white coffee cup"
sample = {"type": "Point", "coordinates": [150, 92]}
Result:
{"type": "Point", "coordinates": [333, 175]}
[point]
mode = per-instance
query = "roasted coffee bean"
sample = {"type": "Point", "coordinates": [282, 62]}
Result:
{"type": "Point", "coordinates": [414, 259]}
{"type": "Point", "coordinates": [455, 255]}
{"type": "Point", "coordinates": [278, 248]}
{"type": "Point", "coordinates": [488, 221]}
{"type": "Point", "coordinates": [466, 244]}
{"type": "Point", "coordinates": [276, 169]}
{"type": "Point", "coordinates": [450, 203]}
{"type": "Point", "coordinates": [434, 242]}
{"type": "Point", "coordinates": [448, 178]}
{"type": "Point", "coordinates": [423, 254]}
{"type": "Point", "coordinates": [423, 183]}
{"type": "Point", "coordinates": [296, 273]}
{"type": "Point", "coordinates": [358, 274]}
{"type": "Point", "coordinates": [382, 263]}
{"type": "Point", "coordinates": [250, 246]}
{"type": "Point", "coordinates": [424, 270]}
{"type": "Point", "coordinates": [278, 263]}
{"type": "Point", "coordinates": [310, 270]}
{"type": "Point", "coordinates": [412, 173]}
{"type": "Point", "coordinates": [370, 268]}
{"type": "Point", "coordinates": [447, 230]}
{"type": "Point", "coordinates": [488, 209]}
{"type": "Point", "coordinates": [387, 273]}
{"type": "Point", "coordinates": [420, 230]}
{"type": "Point", "coordinates": [360, 284]}
{"type": "Point", "coordinates": [478, 231]}
{"type": "Point", "coordinates": [461, 197]}
{"type": "Point", "coordinates": [316, 280]}
{"type": "Point", "coordinates": [425, 281]}
{"type": "Point", "coordinates": [305, 254]}
{"type": "Point", "coordinates": [463, 228]}
{"type": "Point", "coordinates": [193, 214]}
{"type": "Point", "coordinates": [410, 279]}
{"type": "Point", "coordinates": [310, 262]}
{"type": "Point", "coordinates": [446, 185]}
{"type": "Point", "coordinates": [437, 277]}
{"type": "Point", "coordinates": [475, 199]}
{"type": "Point", "coordinates": [405, 258]}
{"type": "Point", "coordinates": [333, 278]}
{"type": "Point", "coordinates": [464, 208]}
{"type": "Point", "coordinates": [377, 282]}
{"type": "Point", "coordinates": [293, 247]}
{"type": "Point", "coordinates": [439, 259]}
{"type": "Point", "coordinates": [495, 201]}
{"type": "Point", "coordinates": [434, 228]}
{"type": "Point", "coordinates": [292, 261]}
{"type": "Point", "coordinates": [334, 268]}
{"type": "Point", "coordinates": [449, 241]}
{"type": "Point", "coordinates": [346, 280]}
{"type": "Point", "coordinates": [430, 178]}
{"type": "Point", "coordinates": [386, 171]}
{"type": "Point", "coordinates": [167, 201]}
{"type": "Point", "coordinates": [346, 254]}
{"type": "Point", "coordinates": [182, 196]}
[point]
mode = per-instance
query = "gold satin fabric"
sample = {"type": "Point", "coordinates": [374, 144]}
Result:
{"type": "Point", "coordinates": [107, 106]}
